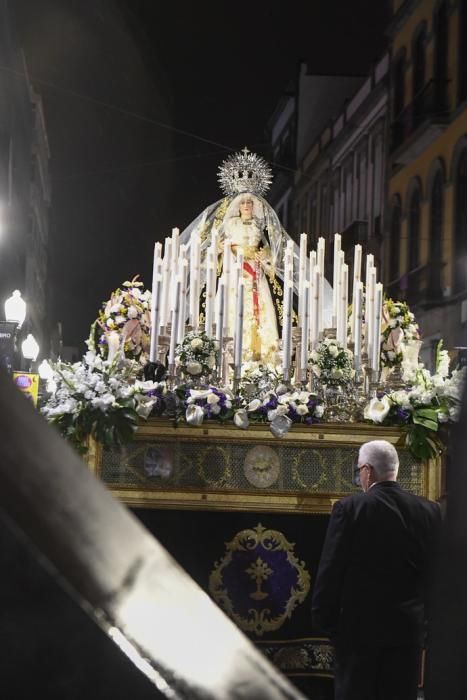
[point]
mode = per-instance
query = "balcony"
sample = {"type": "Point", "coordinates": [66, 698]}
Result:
{"type": "Point", "coordinates": [419, 123]}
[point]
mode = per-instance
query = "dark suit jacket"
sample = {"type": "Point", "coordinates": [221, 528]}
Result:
{"type": "Point", "coordinates": [374, 567]}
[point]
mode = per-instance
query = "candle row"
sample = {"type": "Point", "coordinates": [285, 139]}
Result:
{"type": "Point", "coordinates": [177, 284]}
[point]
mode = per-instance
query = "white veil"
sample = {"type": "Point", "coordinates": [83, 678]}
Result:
{"type": "Point", "coordinates": [215, 216]}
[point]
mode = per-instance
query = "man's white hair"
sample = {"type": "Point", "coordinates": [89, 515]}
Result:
{"type": "Point", "coordinates": [383, 458]}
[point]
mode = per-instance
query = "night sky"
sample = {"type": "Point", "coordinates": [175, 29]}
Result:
{"type": "Point", "coordinates": [144, 99]}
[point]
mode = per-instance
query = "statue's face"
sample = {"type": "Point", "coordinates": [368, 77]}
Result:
{"type": "Point", "coordinates": [246, 208]}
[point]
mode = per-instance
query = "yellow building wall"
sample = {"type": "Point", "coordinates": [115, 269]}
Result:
{"type": "Point", "coordinates": [403, 39]}
{"type": "Point", "coordinates": [442, 148]}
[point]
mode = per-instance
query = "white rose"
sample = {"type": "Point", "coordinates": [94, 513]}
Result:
{"type": "Point", "coordinates": [213, 399]}
{"type": "Point", "coordinates": [200, 393]}
{"type": "Point", "coordinates": [215, 409]}
{"type": "Point", "coordinates": [132, 311]}
{"type": "Point", "coordinates": [281, 410]}
{"type": "Point", "coordinates": [253, 405]}
{"type": "Point", "coordinates": [196, 343]}
{"type": "Point", "coordinates": [377, 409]}
{"type": "Point", "coordinates": [401, 398]}
{"type": "Point", "coordinates": [302, 410]}
{"type": "Point", "coordinates": [194, 368]}
{"type": "Point", "coordinates": [314, 356]}
{"type": "Point", "coordinates": [333, 350]}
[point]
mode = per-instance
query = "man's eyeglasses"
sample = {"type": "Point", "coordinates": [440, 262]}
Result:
{"type": "Point", "coordinates": [356, 480]}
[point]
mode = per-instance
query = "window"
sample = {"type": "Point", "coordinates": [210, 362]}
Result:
{"type": "Point", "coordinates": [440, 22]}
{"type": "Point", "coordinates": [418, 75]}
{"type": "Point", "coordinates": [462, 50]}
{"type": "Point", "coordinates": [399, 85]}
{"type": "Point", "coordinates": [460, 253]}
{"type": "Point", "coordinates": [414, 229]}
{"type": "Point", "coordinates": [436, 234]}
{"type": "Point", "coordinates": [324, 210]}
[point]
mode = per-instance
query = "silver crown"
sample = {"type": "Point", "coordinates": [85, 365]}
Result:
{"type": "Point", "coordinates": [244, 172]}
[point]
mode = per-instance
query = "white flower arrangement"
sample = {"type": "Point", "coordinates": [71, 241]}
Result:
{"type": "Point", "coordinates": [123, 324]}
{"type": "Point", "coordinates": [332, 363]}
{"type": "Point", "coordinates": [398, 328]}
{"type": "Point", "coordinates": [429, 402]}
{"type": "Point", "coordinates": [99, 398]}
{"type": "Point", "coordinates": [196, 354]}
{"type": "Point", "coordinates": [280, 410]}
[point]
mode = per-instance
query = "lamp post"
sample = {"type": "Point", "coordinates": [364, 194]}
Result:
{"type": "Point", "coordinates": [15, 313]}
{"type": "Point", "coordinates": [15, 309]}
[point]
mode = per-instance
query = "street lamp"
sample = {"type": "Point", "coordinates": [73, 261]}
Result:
{"type": "Point", "coordinates": [30, 349]}
{"type": "Point", "coordinates": [45, 371]}
{"type": "Point", "coordinates": [15, 309]}
{"type": "Point", "coordinates": [15, 313]}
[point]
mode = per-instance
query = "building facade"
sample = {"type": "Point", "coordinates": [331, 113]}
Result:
{"type": "Point", "coordinates": [426, 241]}
{"type": "Point", "coordinates": [339, 184]}
{"type": "Point", "coordinates": [25, 192]}
{"type": "Point", "coordinates": [306, 108]}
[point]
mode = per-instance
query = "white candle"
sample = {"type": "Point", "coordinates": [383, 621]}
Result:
{"type": "Point", "coordinates": [357, 275]}
{"type": "Point", "coordinates": [174, 265]}
{"type": "Point", "coordinates": [210, 293]}
{"type": "Point", "coordinates": [377, 327]}
{"type": "Point", "coordinates": [315, 306]}
{"type": "Point", "coordinates": [311, 267]}
{"type": "Point", "coordinates": [194, 278]}
{"type": "Point", "coordinates": [357, 322]}
{"type": "Point", "coordinates": [344, 303]}
{"type": "Point", "coordinates": [340, 263]}
{"type": "Point", "coordinates": [302, 276]}
{"type": "Point", "coordinates": [287, 325]}
{"type": "Point", "coordinates": [320, 256]}
{"type": "Point", "coordinates": [305, 331]}
{"type": "Point", "coordinates": [183, 295]}
{"type": "Point", "coordinates": [221, 292]}
{"type": "Point", "coordinates": [238, 337]}
{"type": "Point", "coordinates": [227, 266]}
{"type": "Point", "coordinates": [165, 293]}
{"type": "Point", "coordinates": [335, 278]}
{"type": "Point", "coordinates": [174, 321]}
{"type": "Point", "coordinates": [155, 300]}
{"type": "Point", "coordinates": [370, 314]}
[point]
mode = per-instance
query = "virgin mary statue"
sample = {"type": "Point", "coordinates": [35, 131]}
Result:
{"type": "Point", "coordinates": [245, 222]}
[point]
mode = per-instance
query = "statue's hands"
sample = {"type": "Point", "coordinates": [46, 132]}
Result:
{"type": "Point", "coordinates": [263, 257]}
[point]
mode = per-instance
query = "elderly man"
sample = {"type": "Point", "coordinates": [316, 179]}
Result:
{"type": "Point", "coordinates": [370, 591]}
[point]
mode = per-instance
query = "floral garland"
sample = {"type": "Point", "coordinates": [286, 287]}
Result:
{"type": "Point", "coordinates": [331, 363]}
{"type": "Point", "coordinates": [123, 323]}
{"type": "Point", "coordinates": [398, 328]}
{"type": "Point", "coordinates": [99, 398]}
{"type": "Point", "coordinates": [281, 409]}
{"type": "Point", "coordinates": [196, 354]}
